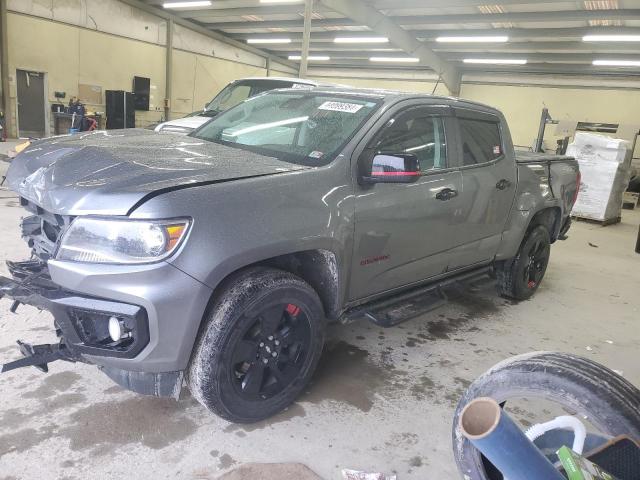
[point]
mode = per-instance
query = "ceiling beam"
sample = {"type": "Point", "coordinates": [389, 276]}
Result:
{"type": "Point", "coordinates": [543, 57]}
{"type": "Point", "coordinates": [576, 57]}
{"type": "Point", "coordinates": [204, 31]}
{"type": "Point", "coordinates": [360, 11]}
{"type": "Point", "coordinates": [533, 47]}
{"type": "Point", "coordinates": [543, 68]}
{"type": "Point", "coordinates": [514, 34]}
{"type": "Point", "coordinates": [474, 19]}
{"type": "Point", "coordinates": [379, 4]}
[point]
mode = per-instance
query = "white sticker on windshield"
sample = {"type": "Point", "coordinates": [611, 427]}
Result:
{"type": "Point", "coordinates": [340, 107]}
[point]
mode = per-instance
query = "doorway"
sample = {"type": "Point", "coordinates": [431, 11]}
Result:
{"type": "Point", "coordinates": [32, 113]}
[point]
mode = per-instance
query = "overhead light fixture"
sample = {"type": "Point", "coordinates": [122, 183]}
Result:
{"type": "Point", "coordinates": [361, 40]}
{"type": "Point", "coordinates": [268, 40]}
{"type": "Point", "coordinates": [281, 1]}
{"type": "Point", "coordinates": [496, 61]}
{"type": "Point", "coordinates": [312, 58]}
{"type": "Point", "coordinates": [617, 63]}
{"type": "Point", "coordinates": [199, 3]}
{"type": "Point", "coordinates": [395, 59]}
{"type": "Point", "coordinates": [478, 39]}
{"type": "Point", "coordinates": [611, 38]}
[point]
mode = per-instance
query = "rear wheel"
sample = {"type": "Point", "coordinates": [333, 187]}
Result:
{"type": "Point", "coordinates": [259, 347]}
{"type": "Point", "coordinates": [520, 278]}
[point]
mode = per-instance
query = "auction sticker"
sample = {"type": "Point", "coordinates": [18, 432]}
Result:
{"type": "Point", "coordinates": [340, 107]}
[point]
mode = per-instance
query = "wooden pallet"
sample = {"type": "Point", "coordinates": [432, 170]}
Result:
{"type": "Point", "coordinates": [603, 223]}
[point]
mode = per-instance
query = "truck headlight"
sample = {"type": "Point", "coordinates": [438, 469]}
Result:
{"type": "Point", "coordinates": [96, 240]}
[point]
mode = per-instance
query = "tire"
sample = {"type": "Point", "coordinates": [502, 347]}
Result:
{"type": "Point", "coordinates": [610, 402]}
{"type": "Point", "coordinates": [259, 345]}
{"type": "Point", "coordinates": [520, 277]}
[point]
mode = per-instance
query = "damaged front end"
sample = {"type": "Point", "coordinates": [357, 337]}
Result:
{"type": "Point", "coordinates": [81, 322]}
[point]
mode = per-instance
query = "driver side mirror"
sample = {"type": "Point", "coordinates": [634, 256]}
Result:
{"type": "Point", "coordinates": [398, 168]}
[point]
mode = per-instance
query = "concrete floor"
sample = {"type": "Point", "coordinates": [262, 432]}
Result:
{"type": "Point", "coordinates": [382, 399]}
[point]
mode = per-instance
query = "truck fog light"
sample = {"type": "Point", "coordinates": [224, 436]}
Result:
{"type": "Point", "coordinates": [116, 329]}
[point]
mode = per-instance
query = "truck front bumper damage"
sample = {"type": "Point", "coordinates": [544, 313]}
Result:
{"type": "Point", "coordinates": [81, 323]}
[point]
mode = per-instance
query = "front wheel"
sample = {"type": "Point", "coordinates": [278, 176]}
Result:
{"type": "Point", "coordinates": [520, 278]}
{"type": "Point", "coordinates": [260, 344]}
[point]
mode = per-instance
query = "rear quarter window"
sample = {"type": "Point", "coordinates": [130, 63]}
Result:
{"type": "Point", "coordinates": [481, 141]}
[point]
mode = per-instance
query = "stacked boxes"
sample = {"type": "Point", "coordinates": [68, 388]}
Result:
{"type": "Point", "coordinates": [605, 168]}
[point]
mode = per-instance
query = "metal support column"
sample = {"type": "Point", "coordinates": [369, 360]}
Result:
{"type": "Point", "coordinates": [168, 81]}
{"type": "Point", "coordinates": [306, 37]}
{"type": "Point", "coordinates": [4, 70]}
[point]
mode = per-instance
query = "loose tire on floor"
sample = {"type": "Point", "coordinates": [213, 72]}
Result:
{"type": "Point", "coordinates": [520, 277]}
{"type": "Point", "coordinates": [610, 402]}
{"type": "Point", "coordinates": [260, 343]}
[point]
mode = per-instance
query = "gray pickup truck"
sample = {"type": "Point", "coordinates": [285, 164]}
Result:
{"type": "Point", "coordinates": [215, 259]}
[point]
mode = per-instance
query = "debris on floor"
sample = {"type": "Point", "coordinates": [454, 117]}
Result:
{"type": "Point", "coordinates": [593, 245]}
{"type": "Point", "coordinates": [271, 471]}
{"type": "Point", "coordinates": [356, 475]}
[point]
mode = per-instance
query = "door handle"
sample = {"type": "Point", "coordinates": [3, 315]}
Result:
{"type": "Point", "coordinates": [503, 184]}
{"type": "Point", "coordinates": [446, 194]}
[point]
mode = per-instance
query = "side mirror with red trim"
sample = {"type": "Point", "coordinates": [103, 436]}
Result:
{"type": "Point", "coordinates": [397, 168]}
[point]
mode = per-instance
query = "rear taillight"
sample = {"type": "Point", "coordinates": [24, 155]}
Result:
{"type": "Point", "coordinates": [578, 181]}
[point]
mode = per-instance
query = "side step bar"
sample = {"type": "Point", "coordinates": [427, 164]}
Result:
{"type": "Point", "coordinates": [405, 306]}
{"type": "Point", "coordinates": [38, 356]}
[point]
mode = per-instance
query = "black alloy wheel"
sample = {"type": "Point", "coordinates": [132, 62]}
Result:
{"type": "Point", "coordinates": [270, 355]}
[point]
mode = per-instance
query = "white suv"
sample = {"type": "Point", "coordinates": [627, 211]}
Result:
{"type": "Point", "coordinates": [230, 96]}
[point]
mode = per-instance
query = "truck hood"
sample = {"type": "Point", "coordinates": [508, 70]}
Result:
{"type": "Point", "coordinates": [109, 172]}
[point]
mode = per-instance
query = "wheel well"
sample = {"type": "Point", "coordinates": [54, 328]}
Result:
{"type": "Point", "coordinates": [319, 268]}
{"type": "Point", "coordinates": [549, 218]}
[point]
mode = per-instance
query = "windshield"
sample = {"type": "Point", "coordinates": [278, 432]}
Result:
{"type": "Point", "coordinates": [307, 128]}
{"type": "Point", "coordinates": [229, 97]}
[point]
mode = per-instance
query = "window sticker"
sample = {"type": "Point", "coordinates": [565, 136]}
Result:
{"type": "Point", "coordinates": [316, 154]}
{"type": "Point", "coordinates": [340, 107]}
{"type": "Point", "coordinates": [496, 150]}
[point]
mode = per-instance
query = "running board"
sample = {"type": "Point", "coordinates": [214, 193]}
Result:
{"type": "Point", "coordinates": [407, 305]}
{"type": "Point", "coordinates": [38, 356]}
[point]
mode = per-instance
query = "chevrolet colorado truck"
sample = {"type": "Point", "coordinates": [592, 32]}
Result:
{"type": "Point", "coordinates": [214, 260]}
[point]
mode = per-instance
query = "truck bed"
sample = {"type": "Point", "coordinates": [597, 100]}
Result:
{"type": "Point", "coordinates": [533, 157]}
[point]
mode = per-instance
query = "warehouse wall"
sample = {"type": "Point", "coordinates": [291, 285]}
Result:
{"type": "Point", "coordinates": [107, 43]}
{"type": "Point", "coordinates": [522, 100]}
{"type": "Point", "coordinates": [197, 78]}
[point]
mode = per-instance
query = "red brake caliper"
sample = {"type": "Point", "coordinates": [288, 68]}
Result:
{"type": "Point", "coordinates": [293, 310]}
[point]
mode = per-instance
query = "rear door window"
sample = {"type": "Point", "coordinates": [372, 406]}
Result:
{"type": "Point", "coordinates": [481, 141]}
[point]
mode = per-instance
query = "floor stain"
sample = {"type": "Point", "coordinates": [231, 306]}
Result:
{"type": "Point", "coordinates": [226, 461]}
{"type": "Point", "coordinates": [13, 418]}
{"type": "Point", "coordinates": [53, 384]}
{"type": "Point", "coordinates": [347, 374]}
{"type": "Point", "coordinates": [415, 461]}
{"type": "Point", "coordinates": [152, 422]}
{"type": "Point", "coordinates": [423, 387]}
{"type": "Point", "coordinates": [24, 440]}
{"type": "Point", "coordinates": [114, 389]}
{"type": "Point", "coordinates": [64, 400]}
{"type": "Point", "coordinates": [293, 411]}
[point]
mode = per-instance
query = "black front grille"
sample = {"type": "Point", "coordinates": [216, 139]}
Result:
{"type": "Point", "coordinates": [43, 230]}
